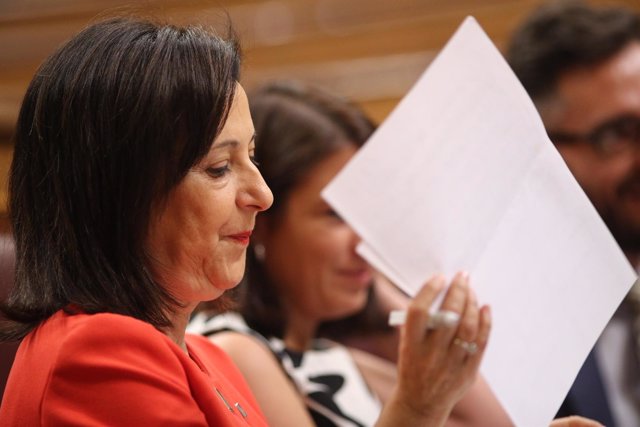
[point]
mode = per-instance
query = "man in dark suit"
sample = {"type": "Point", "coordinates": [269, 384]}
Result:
{"type": "Point", "coordinates": [581, 67]}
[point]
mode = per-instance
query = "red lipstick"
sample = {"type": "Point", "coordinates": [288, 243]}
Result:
{"type": "Point", "coordinates": [241, 238]}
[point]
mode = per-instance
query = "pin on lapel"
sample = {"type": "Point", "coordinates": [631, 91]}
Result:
{"type": "Point", "coordinates": [229, 407]}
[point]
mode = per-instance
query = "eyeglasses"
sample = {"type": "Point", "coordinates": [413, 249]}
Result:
{"type": "Point", "coordinates": [616, 136]}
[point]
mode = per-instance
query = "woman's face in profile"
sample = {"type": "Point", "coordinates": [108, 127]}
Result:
{"type": "Point", "coordinates": [198, 240]}
{"type": "Point", "coordinates": [310, 254]}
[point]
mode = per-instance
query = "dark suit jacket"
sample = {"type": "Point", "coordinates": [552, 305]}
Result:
{"type": "Point", "coordinates": [587, 396]}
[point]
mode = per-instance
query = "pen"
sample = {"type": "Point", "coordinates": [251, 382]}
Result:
{"type": "Point", "coordinates": [441, 318]}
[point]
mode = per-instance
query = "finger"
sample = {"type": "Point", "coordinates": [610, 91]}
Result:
{"type": "Point", "coordinates": [574, 421]}
{"type": "Point", "coordinates": [468, 327]}
{"type": "Point", "coordinates": [418, 309]}
{"type": "Point", "coordinates": [482, 337]}
{"type": "Point", "coordinates": [464, 343]}
{"type": "Point", "coordinates": [455, 300]}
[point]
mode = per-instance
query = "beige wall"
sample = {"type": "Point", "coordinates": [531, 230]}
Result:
{"type": "Point", "coordinates": [369, 50]}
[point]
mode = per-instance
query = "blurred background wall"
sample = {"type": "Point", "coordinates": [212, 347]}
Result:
{"type": "Point", "coordinates": [370, 51]}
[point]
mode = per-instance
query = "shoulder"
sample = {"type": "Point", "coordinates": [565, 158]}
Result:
{"type": "Point", "coordinates": [250, 351]}
{"type": "Point", "coordinates": [135, 368]}
{"type": "Point", "coordinates": [244, 349]}
{"type": "Point", "coordinates": [111, 343]}
{"type": "Point", "coordinates": [112, 334]}
{"type": "Point", "coordinates": [104, 323]}
{"type": "Point", "coordinates": [229, 331]}
{"type": "Point", "coordinates": [207, 324]}
{"type": "Point", "coordinates": [210, 353]}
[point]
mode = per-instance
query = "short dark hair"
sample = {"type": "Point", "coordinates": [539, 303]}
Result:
{"type": "Point", "coordinates": [297, 127]}
{"type": "Point", "coordinates": [566, 35]}
{"type": "Point", "coordinates": [109, 125]}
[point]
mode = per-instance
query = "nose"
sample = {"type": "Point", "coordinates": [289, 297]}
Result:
{"type": "Point", "coordinates": [255, 194]}
{"type": "Point", "coordinates": [354, 240]}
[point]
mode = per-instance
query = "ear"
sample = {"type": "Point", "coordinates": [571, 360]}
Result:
{"type": "Point", "coordinates": [260, 237]}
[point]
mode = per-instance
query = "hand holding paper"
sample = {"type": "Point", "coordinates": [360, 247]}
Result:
{"type": "Point", "coordinates": [463, 176]}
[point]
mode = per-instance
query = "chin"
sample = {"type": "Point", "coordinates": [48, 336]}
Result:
{"type": "Point", "coordinates": [352, 307]}
{"type": "Point", "coordinates": [220, 285]}
{"type": "Point", "coordinates": [226, 276]}
{"type": "Point", "coordinates": [229, 284]}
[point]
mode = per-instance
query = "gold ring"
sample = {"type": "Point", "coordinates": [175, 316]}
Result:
{"type": "Point", "coordinates": [469, 347]}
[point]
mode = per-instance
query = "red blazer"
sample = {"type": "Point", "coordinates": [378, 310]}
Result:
{"type": "Point", "coordinates": [113, 370]}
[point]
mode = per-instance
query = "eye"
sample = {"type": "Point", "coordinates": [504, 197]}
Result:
{"type": "Point", "coordinates": [252, 157]}
{"type": "Point", "coordinates": [616, 136]}
{"type": "Point", "coordinates": [611, 141]}
{"type": "Point", "coordinates": [217, 171]}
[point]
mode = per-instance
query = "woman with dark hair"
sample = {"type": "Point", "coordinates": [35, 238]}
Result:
{"type": "Point", "coordinates": [133, 193]}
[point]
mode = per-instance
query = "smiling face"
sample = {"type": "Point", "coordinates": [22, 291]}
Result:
{"type": "Point", "coordinates": [310, 252]}
{"type": "Point", "coordinates": [584, 100]}
{"type": "Point", "coordinates": [197, 241]}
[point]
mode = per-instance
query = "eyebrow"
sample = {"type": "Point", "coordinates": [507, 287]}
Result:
{"type": "Point", "coordinates": [231, 142]}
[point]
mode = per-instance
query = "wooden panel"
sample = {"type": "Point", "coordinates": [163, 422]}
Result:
{"type": "Point", "coordinates": [371, 51]}
{"type": "Point", "coordinates": [281, 37]}
{"type": "Point", "coordinates": [5, 161]}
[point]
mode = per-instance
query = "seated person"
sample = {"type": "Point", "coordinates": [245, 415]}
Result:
{"type": "Point", "coordinates": [114, 148]}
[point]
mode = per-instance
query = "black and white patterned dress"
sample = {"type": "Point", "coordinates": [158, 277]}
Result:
{"type": "Point", "coordinates": [326, 375]}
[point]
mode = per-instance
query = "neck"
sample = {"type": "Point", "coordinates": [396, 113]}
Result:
{"type": "Point", "coordinates": [179, 320]}
{"type": "Point", "coordinates": [300, 331]}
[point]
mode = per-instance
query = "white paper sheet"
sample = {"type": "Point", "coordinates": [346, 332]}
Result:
{"type": "Point", "coordinates": [462, 176]}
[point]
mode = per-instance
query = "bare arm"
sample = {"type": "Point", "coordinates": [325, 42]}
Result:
{"type": "Point", "coordinates": [478, 408]}
{"type": "Point", "coordinates": [278, 398]}
{"type": "Point", "coordinates": [433, 373]}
